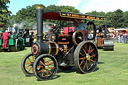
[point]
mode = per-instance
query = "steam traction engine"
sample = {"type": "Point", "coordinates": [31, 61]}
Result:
{"type": "Point", "coordinates": [63, 50]}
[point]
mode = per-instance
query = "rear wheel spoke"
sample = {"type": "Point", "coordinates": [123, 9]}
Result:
{"type": "Point", "coordinates": [33, 58]}
{"type": "Point", "coordinates": [81, 54]}
{"type": "Point", "coordinates": [42, 63]}
{"type": "Point", "coordinates": [92, 60]}
{"type": "Point", "coordinates": [82, 58]}
{"type": "Point", "coordinates": [92, 55]}
{"type": "Point", "coordinates": [40, 70]}
{"type": "Point", "coordinates": [84, 50]}
{"type": "Point", "coordinates": [81, 62]}
{"type": "Point", "coordinates": [40, 66]}
{"type": "Point", "coordinates": [90, 64]}
{"type": "Point", "coordinates": [48, 61]}
{"type": "Point", "coordinates": [85, 65]}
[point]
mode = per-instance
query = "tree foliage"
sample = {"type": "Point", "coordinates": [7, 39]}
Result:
{"type": "Point", "coordinates": [4, 12]}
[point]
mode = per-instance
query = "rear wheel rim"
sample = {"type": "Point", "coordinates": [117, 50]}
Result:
{"type": "Point", "coordinates": [87, 58]}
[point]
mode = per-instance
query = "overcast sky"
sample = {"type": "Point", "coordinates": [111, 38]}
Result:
{"type": "Point", "coordinates": [82, 5]}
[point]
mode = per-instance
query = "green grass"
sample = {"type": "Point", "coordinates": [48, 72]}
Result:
{"type": "Point", "coordinates": [112, 69]}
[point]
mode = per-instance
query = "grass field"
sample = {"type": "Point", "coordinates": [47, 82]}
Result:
{"type": "Point", "coordinates": [112, 69]}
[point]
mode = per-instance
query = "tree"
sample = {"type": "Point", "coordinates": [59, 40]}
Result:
{"type": "Point", "coordinates": [118, 19]}
{"type": "Point", "coordinates": [126, 19]}
{"type": "Point", "coordinates": [109, 18]}
{"type": "Point", "coordinates": [26, 17]}
{"type": "Point", "coordinates": [4, 12]}
{"type": "Point", "coordinates": [62, 8]}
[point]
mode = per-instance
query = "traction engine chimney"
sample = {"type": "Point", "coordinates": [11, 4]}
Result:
{"type": "Point", "coordinates": [39, 17]}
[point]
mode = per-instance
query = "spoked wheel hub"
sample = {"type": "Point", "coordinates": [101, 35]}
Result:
{"type": "Point", "coordinates": [88, 57]}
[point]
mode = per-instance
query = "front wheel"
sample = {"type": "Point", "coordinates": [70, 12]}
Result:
{"type": "Point", "coordinates": [86, 57]}
{"type": "Point", "coordinates": [45, 67]}
{"type": "Point", "coordinates": [27, 64]}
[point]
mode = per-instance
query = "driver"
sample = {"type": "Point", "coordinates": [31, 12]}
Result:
{"type": "Point", "coordinates": [81, 26]}
{"type": "Point", "coordinates": [76, 27]}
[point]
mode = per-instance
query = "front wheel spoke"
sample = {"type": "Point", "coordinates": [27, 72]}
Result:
{"type": "Point", "coordinates": [33, 58]}
{"type": "Point", "coordinates": [47, 73]}
{"type": "Point", "coordinates": [43, 73]}
{"type": "Point", "coordinates": [30, 69]}
{"type": "Point", "coordinates": [51, 63]}
{"type": "Point", "coordinates": [51, 67]}
{"type": "Point", "coordinates": [50, 72]}
{"type": "Point", "coordinates": [27, 66]}
{"type": "Point", "coordinates": [27, 62]}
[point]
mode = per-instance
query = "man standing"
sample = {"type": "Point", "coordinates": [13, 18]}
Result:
{"type": "Point", "coordinates": [5, 37]}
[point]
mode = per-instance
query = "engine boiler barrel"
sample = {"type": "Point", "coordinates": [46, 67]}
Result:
{"type": "Point", "coordinates": [49, 48]}
{"type": "Point", "coordinates": [56, 49]}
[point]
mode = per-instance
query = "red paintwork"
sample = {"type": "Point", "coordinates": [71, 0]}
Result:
{"type": "Point", "coordinates": [68, 29]}
{"type": "Point", "coordinates": [5, 39]}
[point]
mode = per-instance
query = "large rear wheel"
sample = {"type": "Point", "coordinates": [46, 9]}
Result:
{"type": "Point", "coordinates": [86, 57]}
{"type": "Point", "coordinates": [45, 67]}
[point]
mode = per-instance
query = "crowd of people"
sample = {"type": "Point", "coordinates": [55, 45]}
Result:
{"type": "Point", "coordinates": [121, 37]}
